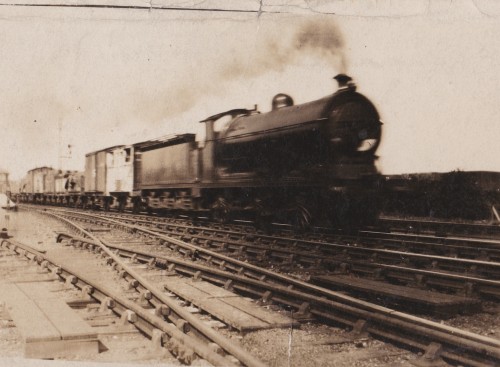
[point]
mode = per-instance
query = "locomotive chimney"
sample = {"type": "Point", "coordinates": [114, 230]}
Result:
{"type": "Point", "coordinates": [345, 82]}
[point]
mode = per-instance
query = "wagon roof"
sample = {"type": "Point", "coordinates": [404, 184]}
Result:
{"type": "Point", "coordinates": [40, 168]}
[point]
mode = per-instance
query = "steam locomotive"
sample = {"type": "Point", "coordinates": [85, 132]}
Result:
{"type": "Point", "coordinates": [306, 163]}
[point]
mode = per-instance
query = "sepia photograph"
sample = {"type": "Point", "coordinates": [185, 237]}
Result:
{"type": "Point", "coordinates": [249, 183]}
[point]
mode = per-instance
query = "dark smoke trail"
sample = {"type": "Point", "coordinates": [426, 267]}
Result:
{"type": "Point", "coordinates": [325, 40]}
{"type": "Point", "coordinates": [321, 38]}
{"type": "Point", "coordinates": [280, 49]}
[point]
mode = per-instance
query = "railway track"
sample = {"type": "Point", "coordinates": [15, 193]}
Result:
{"type": "Point", "coordinates": [379, 256]}
{"type": "Point", "coordinates": [169, 326]}
{"type": "Point", "coordinates": [457, 247]}
{"type": "Point", "coordinates": [466, 248]}
{"type": "Point", "coordinates": [305, 299]}
{"type": "Point", "coordinates": [440, 228]}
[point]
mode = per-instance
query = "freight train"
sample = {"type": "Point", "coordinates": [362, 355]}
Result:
{"type": "Point", "coordinates": [45, 185]}
{"type": "Point", "coordinates": [304, 164]}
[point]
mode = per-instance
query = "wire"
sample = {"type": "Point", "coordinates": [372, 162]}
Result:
{"type": "Point", "coordinates": [134, 7]}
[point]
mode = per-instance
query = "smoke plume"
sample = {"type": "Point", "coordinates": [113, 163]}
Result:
{"type": "Point", "coordinates": [320, 38]}
{"type": "Point", "coordinates": [325, 40]}
{"type": "Point", "coordinates": [278, 46]}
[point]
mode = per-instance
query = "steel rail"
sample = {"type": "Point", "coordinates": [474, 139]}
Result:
{"type": "Point", "coordinates": [437, 226]}
{"type": "Point", "coordinates": [470, 282]}
{"type": "Point", "coordinates": [360, 251]}
{"type": "Point", "coordinates": [344, 260]}
{"type": "Point", "coordinates": [164, 261]}
{"type": "Point", "coordinates": [330, 249]}
{"type": "Point", "coordinates": [469, 285]}
{"type": "Point", "coordinates": [335, 311]}
{"type": "Point", "coordinates": [362, 234]}
{"type": "Point", "coordinates": [458, 345]}
{"type": "Point", "coordinates": [458, 243]}
{"type": "Point", "coordinates": [182, 344]}
{"type": "Point", "coordinates": [174, 313]}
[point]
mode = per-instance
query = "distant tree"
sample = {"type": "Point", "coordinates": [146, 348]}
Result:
{"type": "Point", "coordinates": [458, 196]}
{"type": "Point", "coordinates": [453, 195]}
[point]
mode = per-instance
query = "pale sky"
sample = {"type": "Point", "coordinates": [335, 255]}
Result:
{"type": "Point", "coordinates": [117, 76]}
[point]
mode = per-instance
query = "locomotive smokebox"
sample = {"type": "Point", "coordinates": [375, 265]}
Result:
{"type": "Point", "coordinates": [345, 81]}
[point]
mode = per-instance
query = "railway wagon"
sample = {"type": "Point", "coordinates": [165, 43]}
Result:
{"type": "Point", "coordinates": [46, 185]}
{"type": "Point", "coordinates": [134, 176]}
{"type": "Point", "coordinates": [55, 191]}
{"type": "Point", "coordinates": [68, 187]}
{"type": "Point", "coordinates": [36, 183]}
{"type": "Point", "coordinates": [43, 180]}
{"type": "Point", "coordinates": [109, 177]}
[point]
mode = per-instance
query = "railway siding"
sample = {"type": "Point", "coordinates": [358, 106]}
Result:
{"type": "Point", "coordinates": [169, 335]}
{"type": "Point", "coordinates": [402, 263]}
{"type": "Point", "coordinates": [455, 344]}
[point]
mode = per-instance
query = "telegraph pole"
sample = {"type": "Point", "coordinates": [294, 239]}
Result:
{"type": "Point", "coordinates": [60, 150]}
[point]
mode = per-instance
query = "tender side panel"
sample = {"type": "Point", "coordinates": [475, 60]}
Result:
{"type": "Point", "coordinates": [169, 165]}
{"type": "Point", "coordinates": [137, 168]}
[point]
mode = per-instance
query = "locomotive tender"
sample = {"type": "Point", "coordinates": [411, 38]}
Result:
{"type": "Point", "coordinates": [301, 163]}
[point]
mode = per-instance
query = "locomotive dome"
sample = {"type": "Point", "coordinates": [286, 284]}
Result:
{"type": "Point", "coordinates": [281, 100]}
